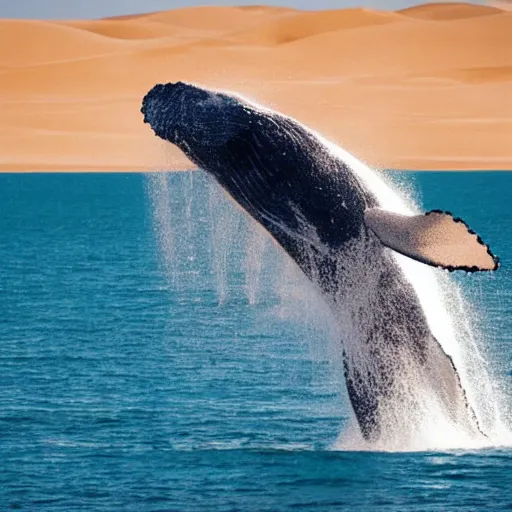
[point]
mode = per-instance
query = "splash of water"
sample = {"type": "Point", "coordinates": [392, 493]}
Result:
{"type": "Point", "coordinates": [446, 309]}
{"type": "Point", "coordinates": [159, 194]}
{"type": "Point", "coordinates": [224, 226]}
{"type": "Point", "coordinates": [447, 313]}
{"type": "Point", "coordinates": [257, 244]}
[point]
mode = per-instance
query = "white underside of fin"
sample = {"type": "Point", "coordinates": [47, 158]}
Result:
{"type": "Point", "coordinates": [435, 238]}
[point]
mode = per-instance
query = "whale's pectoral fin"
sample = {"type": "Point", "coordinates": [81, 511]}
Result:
{"type": "Point", "coordinates": [435, 238]}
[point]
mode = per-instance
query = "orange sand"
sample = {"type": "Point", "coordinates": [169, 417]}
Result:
{"type": "Point", "coordinates": [428, 87]}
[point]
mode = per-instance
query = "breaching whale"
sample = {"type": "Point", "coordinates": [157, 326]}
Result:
{"type": "Point", "coordinates": [327, 219]}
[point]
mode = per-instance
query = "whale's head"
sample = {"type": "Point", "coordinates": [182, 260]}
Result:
{"type": "Point", "coordinates": [268, 162]}
{"type": "Point", "coordinates": [193, 118]}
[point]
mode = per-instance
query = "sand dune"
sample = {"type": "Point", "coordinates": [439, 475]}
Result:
{"type": "Point", "coordinates": [28, 43]}
{"type": "Point", "coordinates": [214, 19]}
{"type": "Point", "coordinates": [449, 11]}
{"type": "Point", "coordinates": [423, 88]}
{"type": "Point", "coordinates": [409, 48]}
{"type": "Point", "coordinates": [300, 25]}
{"type": "Point", "coordinates": [130, 29]}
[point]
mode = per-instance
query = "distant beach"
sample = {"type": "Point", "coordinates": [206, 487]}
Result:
{"type": "Point", "coordinates": [429, 87]}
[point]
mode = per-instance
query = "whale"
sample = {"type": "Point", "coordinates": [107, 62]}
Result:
{"type": "Point", "coordinates": [324, 215]}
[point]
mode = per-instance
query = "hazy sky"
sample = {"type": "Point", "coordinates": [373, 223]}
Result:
{"type": "Point", "coordinates": [99, 8]}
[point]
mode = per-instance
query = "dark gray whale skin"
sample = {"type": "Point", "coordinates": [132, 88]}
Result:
{"type": "Point", "coordinates": [312, 204]}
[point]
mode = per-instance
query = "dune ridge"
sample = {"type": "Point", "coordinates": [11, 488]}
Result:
{"type": "Point", "coordinates": [429, 87]}
{"type": "Point", "coordinates": [449, 11]}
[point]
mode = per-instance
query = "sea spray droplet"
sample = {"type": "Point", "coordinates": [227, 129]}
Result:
{"type": "Point", "coordinates": [222, 224]}
{"type": "Point", "coordinates": [255, 252]}
{"type": "Point", "coordinates": [162, 216]}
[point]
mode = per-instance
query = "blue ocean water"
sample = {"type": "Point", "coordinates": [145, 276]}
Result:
{"type": "Point", "coordinates": [158, 354]}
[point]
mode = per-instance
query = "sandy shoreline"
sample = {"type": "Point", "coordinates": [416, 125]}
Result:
{"type": "Point", "coordinates": [423, 88]}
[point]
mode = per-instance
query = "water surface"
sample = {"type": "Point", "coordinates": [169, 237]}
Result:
{"type": "Point", "coordinates": [190, 370]}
